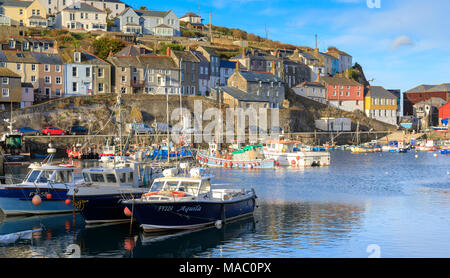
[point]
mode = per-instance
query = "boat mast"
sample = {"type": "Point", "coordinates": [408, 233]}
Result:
{"type": "Point", "coordinates": [119, 102]}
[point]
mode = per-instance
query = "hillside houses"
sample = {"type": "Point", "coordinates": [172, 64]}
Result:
{"type": "Point", "coordinates": [158, 23]}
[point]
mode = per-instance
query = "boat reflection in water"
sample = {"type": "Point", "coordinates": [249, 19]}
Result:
{"type": "Point", "coordinates": [190, 243]}
{"type": "Point", "coordinates": [55, 235]}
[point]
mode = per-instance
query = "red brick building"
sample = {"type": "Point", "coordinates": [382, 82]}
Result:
{"type": "Point", "coordinates": [423, 93]}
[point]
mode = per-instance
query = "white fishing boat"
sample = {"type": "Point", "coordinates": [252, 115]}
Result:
{"type": "Point", "coordinates": [43, 191]}
{"type": "Point", "coordinates": [289, 153]}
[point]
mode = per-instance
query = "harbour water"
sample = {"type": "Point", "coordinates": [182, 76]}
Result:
{"type": "Point", "coordinates": [378, 204]}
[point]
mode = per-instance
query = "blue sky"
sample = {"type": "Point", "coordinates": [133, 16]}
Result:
{"type": "Point", "coordinates": [400, 45]}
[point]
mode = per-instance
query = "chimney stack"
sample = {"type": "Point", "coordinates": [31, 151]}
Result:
{"type": "Point", "coordinates": [274, 69]}
{"type": "Point", "coordinates": [168, 51]}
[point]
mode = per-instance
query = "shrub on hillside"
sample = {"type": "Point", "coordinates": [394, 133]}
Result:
{"type": "Point", "coordinates": [103, 46]}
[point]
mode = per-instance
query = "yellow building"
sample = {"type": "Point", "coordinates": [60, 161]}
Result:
{"type": "Point", "coordinates": [381, 105]}
{"type": "Point", "coordinates": [25, 13]}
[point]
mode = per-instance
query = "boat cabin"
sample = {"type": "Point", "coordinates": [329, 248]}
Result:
{"type": "Point", "coordinates": [283, 146]}
{"type": "Point", "coordinates": [55, 174]}
{"type": "Point", "coordinates": [193, 185]}
{"type": "Point", "coordinates": [122, 174]}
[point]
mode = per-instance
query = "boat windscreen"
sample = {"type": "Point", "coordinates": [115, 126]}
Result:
{"type": "Point", "coordinates": [33, 176]}
{"type": "Point", "coordinates": [189, 187]}
{"type": "Point", "coordinates": [45, 176]}
{"type": "Point", "coordinates": [171, 185]}
{"type": "Point", "coordinates": [156, 186]}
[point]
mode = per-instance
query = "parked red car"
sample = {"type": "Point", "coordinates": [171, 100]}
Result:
{"type": "Point", "coordinates": [51, 130]}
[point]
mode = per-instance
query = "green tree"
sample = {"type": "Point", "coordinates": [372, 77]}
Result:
{"type": "Point", "coordinates": [103, 46]}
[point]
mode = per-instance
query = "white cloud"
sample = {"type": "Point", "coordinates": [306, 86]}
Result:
{"type": "Point", "coordinates": [402, 41]}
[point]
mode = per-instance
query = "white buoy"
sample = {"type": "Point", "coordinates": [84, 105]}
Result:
{"type": "Point", "coordinates": [416, 156]}
{"type": "Point", "coordinates": [218, 224]}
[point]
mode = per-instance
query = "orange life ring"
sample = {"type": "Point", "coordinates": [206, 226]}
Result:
{"type": "Point", "coordinates": [150, 194]}
{"type": "Point", "coordinates": [178, 194]}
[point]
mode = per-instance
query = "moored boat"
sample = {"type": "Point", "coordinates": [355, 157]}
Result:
{"type": "Point", "coordinates": [181, 202]}
{"type": "Point", "coordinates": [248, 157]}
{"type": "Point", "coordinates": [288, 153]}
{"type": "Point", "coordinates": [43, 191]}
{"type": "Point", "coordinates": [98, 198]}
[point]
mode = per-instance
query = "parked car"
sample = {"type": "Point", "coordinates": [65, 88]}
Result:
{"type": "Point", "coordinates": [26, 130]}
{"type": "Point", "coordinates": [140, 128]}
{"type": "Point", "coordinates": [77, 130]}
{"type": "Point", "coordinates": [51, 130]}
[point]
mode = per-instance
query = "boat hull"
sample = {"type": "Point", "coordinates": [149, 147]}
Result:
{"type": "Point", "coordinates": [102, 209]}
{"type": "Point", "coordinates": [210, 161]}
{"type": "Point", "coordinates": [17, 201]}
{"type": "Point", "coordinates": [300, 159]}
{"type": "Point", "coordinates": [157, 216]}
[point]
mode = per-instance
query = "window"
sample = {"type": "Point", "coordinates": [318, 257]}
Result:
{"type": "Point", "coordinates": [38, 12]}
{"type": "Point", "coordinates": [33, 12]}
{"type": "Point", "coordinates": [20, 11]}
{"type": "Point", "coordinates": [58, 68]}
{"type": "Point", "coordinates": [46, 67]}
{"type": "Point", "coordinates": [97, 178]}
{"type": "Point", "coordinates": [5, 92]}
{"type": "Point", "coordinates": [33, 78]}
{"type": "Point", "coordinates": [74, 87]}
{"type": "Point", "coordinates": [100, 87]}
{"type": "Point", "coordinates": [124, 79]}
{"type": "Point", "coordinates": [96, 16]}
{"type": "Point", "coordinates": [88, 72]}
{"type": "Point", "coordinates": [33, 67]}
{"type": "Point", "coordinates": [58, 80]}
{"type": "Point", "coordinates": [123, 69]}
{"type": "Point", "coordinates": [74, 72]}
{"type": "Point", "coordinates": [47, 91]}
{"type": "Point", "coordinates": [348, 94]}
{"type": "Point", "coordinates": [5, 80]}
{"type": "Point", "coordinates": [47, 80]}
{"type": "Point", "coordinates": [111, 178]}
{"type": "Point", "coordinates": [100, 72]}
{"type": "Point", "coordinates": [19, 66]}
{"type": "Point", "coordinates": [58, 92]}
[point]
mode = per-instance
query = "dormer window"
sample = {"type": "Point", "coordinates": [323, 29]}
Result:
{"type": "Point", "coordinates": [260, 83]}
{"type": "Point", "coordinates": [12, 44]}
{"type": "Point", "coordinates": [77, 57]}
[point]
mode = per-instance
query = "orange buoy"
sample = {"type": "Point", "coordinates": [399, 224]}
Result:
{"type": "Point", "coordinates": [36, 200]}
{"type": "Point", "coordinates": [127, 212]}
{"type": "Point", "coordinates": [48, 196]}
{"type": "Point", "coordinates": [298, 157]}
{"type": "Point", "coordinates": [67, 201]}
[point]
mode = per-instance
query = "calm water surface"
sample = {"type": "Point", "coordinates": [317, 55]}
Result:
{"type": "Point", "coordinates": [398, 202]}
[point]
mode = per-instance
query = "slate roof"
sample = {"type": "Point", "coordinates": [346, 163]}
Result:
{"type": "Point", "coordinates": [152, 13]}
{"type": "Point", "coordinates": [434, 101]}
{"type": "Point", "coordinates": [130, 50]}
{"type": "Point", "coordinates": [22, 4]}
{"type": "Point", "coordinates": [440, 88]}
{"type": "Point", "coordinates": [44, 58]}
{"type": "Point", "coordinates": [420, 89]}
{"type": "Point", "coordinates": [243, 96]}
{"type": "Point", "coordinates": [380, 92]}
{"type": "Point", "coordinates": [27, 85]}
{"type": "Point", "coordinates": [339, 81]}
{"type": "Point", "coordinates": [200, 56]}
{"type": "Point", "coordinates": [156, 62]}
{"type": "Point", "coordinates": [310, 84]}
{"type": "Point", "coordinates": [254, 76]}
{"type": "Point", "coordinates": [5, 72]}
{"type": "Point", "coordinates": [17, 57]}
{"type": "Point", "coordinates": [186, 56]}
{"type": "Point", "coordinates": [83, 7]}
{"type": "Point", "coordinates": [163, 26]}
{"type": "Point", "coordinates": [190, 14]}
{"type": "Point", "coordinates": [209, 50]}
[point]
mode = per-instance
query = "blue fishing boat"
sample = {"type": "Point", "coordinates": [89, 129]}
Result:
{"type": "Point", "coordinates": [98, 197]}
{"type": "Point", "coordinates": [181, 202]}
{"type": "Point", "coordinates": [43, 191]}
